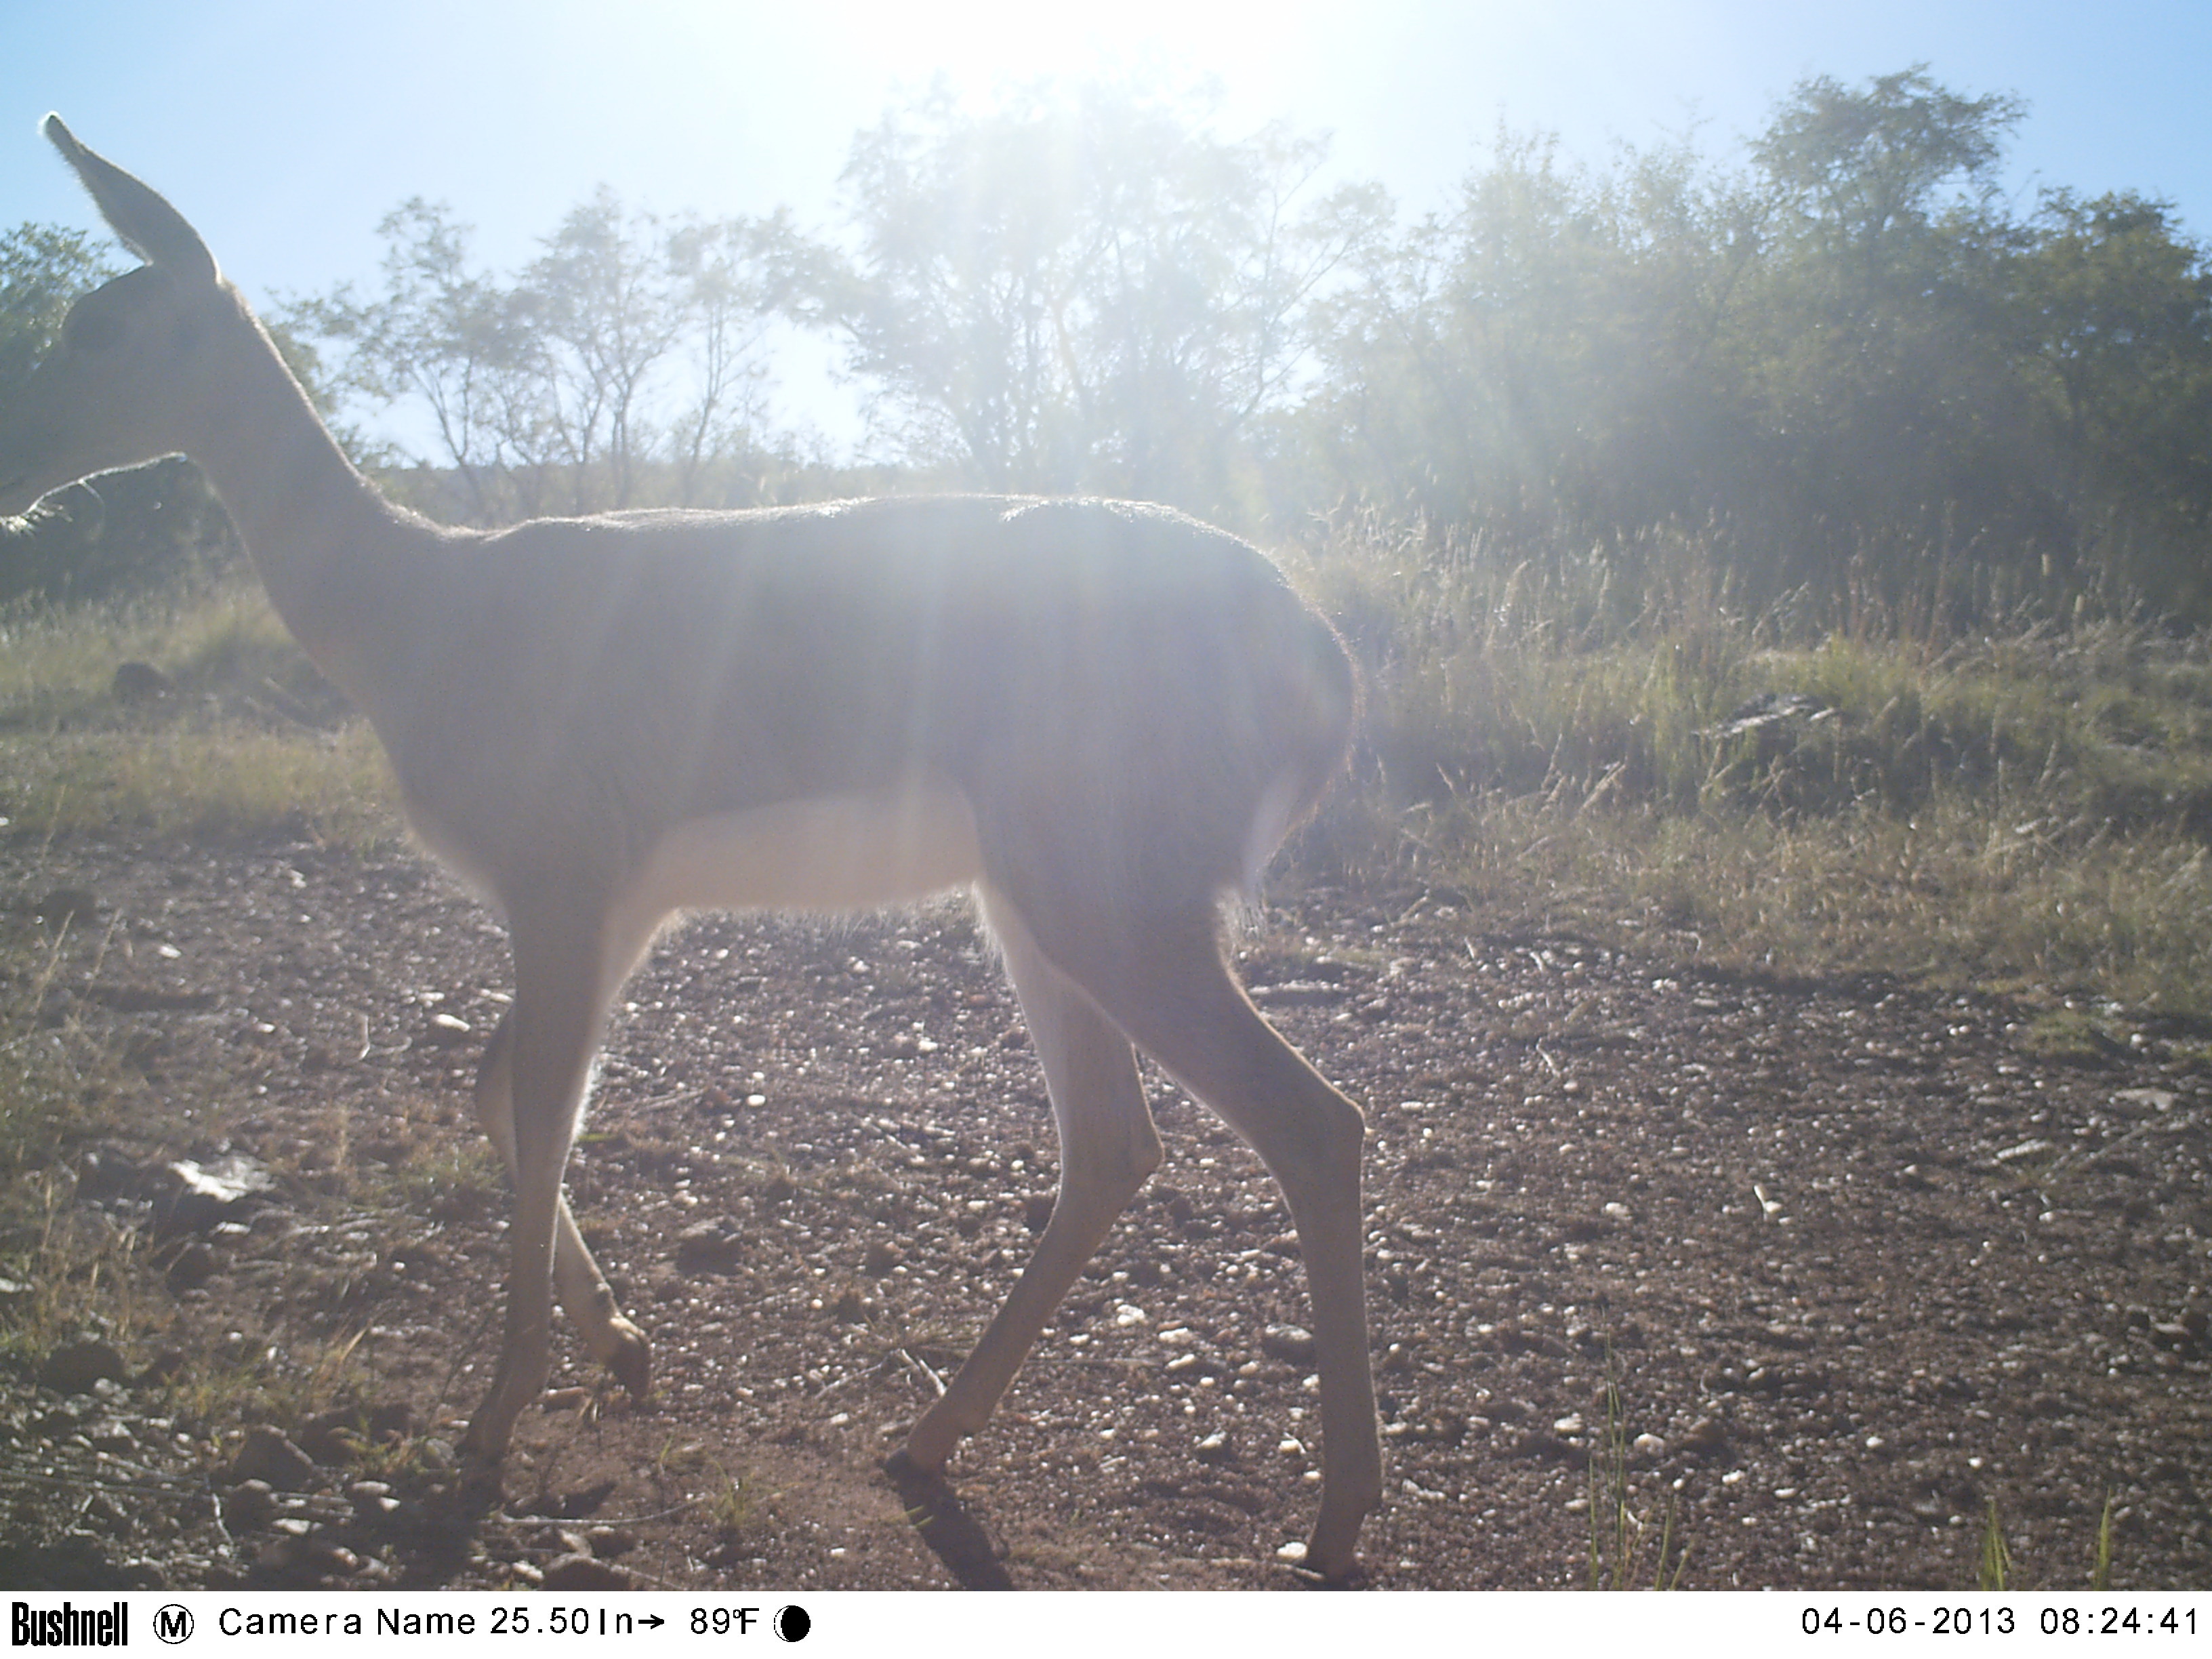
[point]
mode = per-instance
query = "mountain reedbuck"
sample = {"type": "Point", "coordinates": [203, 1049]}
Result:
{"type": "Point", "coordinates": [1102, 717]}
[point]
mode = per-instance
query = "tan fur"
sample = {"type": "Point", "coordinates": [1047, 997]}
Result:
{"type": "Point", "coordinates": [1103, 715]}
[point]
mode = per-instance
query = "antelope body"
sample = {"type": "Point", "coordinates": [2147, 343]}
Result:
{"type": "Point", "coordinates": [1103, 717]}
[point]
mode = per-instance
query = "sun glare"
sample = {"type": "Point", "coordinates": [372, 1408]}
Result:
{"type": "Point", "coordinates": [978, 45]}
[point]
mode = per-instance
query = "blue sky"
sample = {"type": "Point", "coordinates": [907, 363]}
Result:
{"type": "Point", "coordinates": [285, 131]}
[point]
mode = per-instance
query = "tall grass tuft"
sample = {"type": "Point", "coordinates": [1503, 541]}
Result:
{"type": "Point", "coordinates": [1621, 1548]}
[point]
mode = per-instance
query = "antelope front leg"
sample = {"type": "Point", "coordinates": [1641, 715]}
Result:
{"type": "Point", "coordinates": [581, 1287]}
{"type": "Point", "coordinates": [550, 1035]}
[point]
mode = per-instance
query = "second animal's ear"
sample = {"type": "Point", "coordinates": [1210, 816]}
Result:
{"type": "Point", "coordinates": [147, 225]}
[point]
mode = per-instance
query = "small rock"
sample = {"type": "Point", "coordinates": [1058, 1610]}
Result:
{"type": "Point", "coordinates": [1216, 1449]}
{"type": "Point", "coordinates": [195, 1265]}
{"type": "Point", "coordinates": [1294, 1345]}
{"type": "Point", "coordinates": [1542, 1447]}
{"type": "Point", "coordinates": [587, 1572]}
{"type": "Point", "coordinates": [2155, 1100]}
{"type": "Point", "coordinates": [74, 1367]}
{"type": "Point", "coordinates": [608, 1543]}
{"type": "Point", "coordinates": [559, 1540]}
{"type": "Point", "coordinates": [881, 1256]}
{"type": "Point", "coordinates": [139, 683]}
{"type": "Point", "coordinates": [334, 1438]}
{"type": "Point", "coordinates": [198, 1198]}
{"type": "Point", "coordinates": [282, 1555]}
{"type": "Point", "coordinates": [443, 1031]}
{"type": "Point", "coordinates": [66, 904]}
{"type": "Point", "coordinates": [1706, 1438]}
{"type": "Point", "coordinates": [372, 1502]}
{"type": "Point", "coordinates": [249, 1504]}
{"type": "Point", "coordinates": [268, 1455]}
{"type": "Point", "coordinates": [709, 1247]}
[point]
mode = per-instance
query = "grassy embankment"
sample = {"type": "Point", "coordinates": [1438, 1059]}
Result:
{"type": "Point", "coordinates": [2025, 809]}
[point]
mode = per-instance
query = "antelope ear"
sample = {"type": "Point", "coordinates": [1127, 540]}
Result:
{"type": "Point", "coordinates": [148, 226]}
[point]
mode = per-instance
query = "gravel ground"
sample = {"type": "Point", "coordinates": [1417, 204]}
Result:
{"type": "Point", "coordinates": [1827, 1268]}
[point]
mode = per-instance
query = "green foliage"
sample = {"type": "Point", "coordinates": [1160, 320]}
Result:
{"type": "Point", "coordinates": [149, 529]}
{"type": "Point", "coordinates": [1862, 165]}
{"type": "Point", "coordinates": [1899, 404]}
{"type": "Point", "coordinates": [1889, 400]}
{"type": "Point", "coordinates": [1995, 1564]}
{"type": "Point", "coordinates": [42, 268]}
{"type": "Point", "coordinates": [1622, 1551]}
{"type": "Point", "coordinates": [130, 533]}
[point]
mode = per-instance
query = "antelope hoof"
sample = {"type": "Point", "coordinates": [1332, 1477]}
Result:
{"type": "Point", "coordinates": [483, 1447]}
{"type": "Point", "coordinates": [480, 1477]}
{"type": "Point", "coordinates": [901, 1467]}
{"type": "Point", "coordinates": [1333, 1551]}
{"type": "Point", "coordinates": [632, 1361]}
{"type": "Point", "coordinates": [929, 1443]}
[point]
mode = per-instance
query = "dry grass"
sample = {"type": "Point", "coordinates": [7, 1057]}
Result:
{"type": "Point", "coordinates": [246, 741]}
{"type": "Point", "coordinates": [2028, 810]}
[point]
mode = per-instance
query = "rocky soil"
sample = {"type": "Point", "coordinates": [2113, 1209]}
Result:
{"type": "Point", "coordinates": [1827, 1268]}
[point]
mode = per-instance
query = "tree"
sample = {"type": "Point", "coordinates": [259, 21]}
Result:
{"type": "Point", "coordinates": [2116, 312]}
{"type": "Point", "coordinates": [737, 275]}
{"type": "Point", "coordinates": [1824, 360]}
{"type": "Point", "coordinates": [618, 367]}
{"type": "Point", "coordinates": [1083, 291]}
{"type": "Point", "coordinates": [43, 269]}
{"type": "Point", "coordinates": [604, 306]}
{"type": "Point", "coordinates": [1541, 359]}
{"type": "Point", "coordinates": [1874, 347]}
{"type": "Point", "coordinates": [443, 336]}
{"type": "Point", "coordinates": [1862, 165]}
